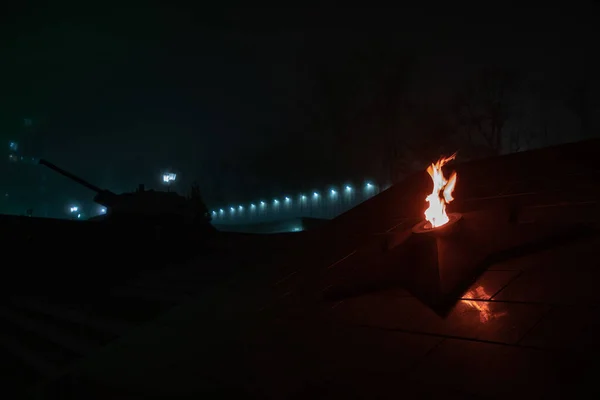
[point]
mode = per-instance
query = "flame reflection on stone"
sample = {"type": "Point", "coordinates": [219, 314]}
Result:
{"type": "Point", "coordinates": [485, 312]}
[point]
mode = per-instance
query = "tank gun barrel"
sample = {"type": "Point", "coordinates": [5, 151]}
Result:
{"type": "Point", "coordinates": [71, 176]}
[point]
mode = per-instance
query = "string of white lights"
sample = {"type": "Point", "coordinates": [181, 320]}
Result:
{"type": "Point", "coordinates": [302, 202]}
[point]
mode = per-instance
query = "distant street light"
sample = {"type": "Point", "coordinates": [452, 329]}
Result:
{"type": "Point", "coordinates": [369, 189]}
{"type": "Point", "coordinates": [263, 207]}
{"type": "Point", "coordinates": [287, 203]}
{"type": "Point", "coordinates": [333, 204]}
{"type": "Point", "coordinates": [302, 203]}
{"type": "Point", "coordinates": [349, 195]}
{"type": "Point", "coordinates": [314, 203]}
{"type": "Point", "coordinates": [75, 212]}
{"type": "Point", "coordinates": [168, 178]}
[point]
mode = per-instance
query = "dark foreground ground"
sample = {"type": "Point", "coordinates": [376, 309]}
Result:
{"type": "Point", "coordinates": [336, 313]}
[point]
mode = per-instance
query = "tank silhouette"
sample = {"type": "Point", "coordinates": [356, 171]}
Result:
{"type": "Point", "coordinates": [147, 207]}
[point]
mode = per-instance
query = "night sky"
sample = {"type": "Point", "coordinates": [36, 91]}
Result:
{"type": "Point", "coordinates": [252, 102]}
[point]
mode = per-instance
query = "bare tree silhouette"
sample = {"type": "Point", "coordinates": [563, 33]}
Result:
{"type": "Point", "coordinates": [577, 99]}
{"type": "Point", "coordinates": [484, 106]}
{"type": "Point", "coordinates": [196, 198]}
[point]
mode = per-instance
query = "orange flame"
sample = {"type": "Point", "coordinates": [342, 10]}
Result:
{"type": "Point", "coordinates": [441, 194]}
